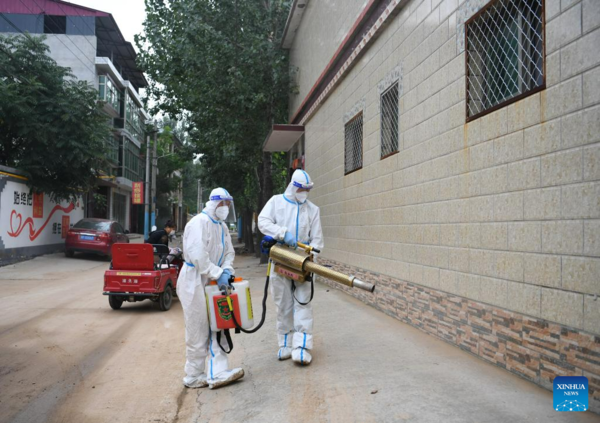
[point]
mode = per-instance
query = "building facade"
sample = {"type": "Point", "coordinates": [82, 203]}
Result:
{"type": "Point", "coordinates": [454, 146]}
{"type": "Point", "coordinates": [90, 43]}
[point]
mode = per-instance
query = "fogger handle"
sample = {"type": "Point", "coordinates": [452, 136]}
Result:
{"type": "Point", "coordinates": [308, 248]}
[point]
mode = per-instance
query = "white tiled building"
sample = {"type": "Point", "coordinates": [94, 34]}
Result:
{"type": "Point", "coordinates": [455, 151]}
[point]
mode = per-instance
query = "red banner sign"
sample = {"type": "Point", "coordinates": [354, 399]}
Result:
{"type": "Point", "coordinates": [137, 195]}
{"type": "Point", "coordinates": [38, 205]}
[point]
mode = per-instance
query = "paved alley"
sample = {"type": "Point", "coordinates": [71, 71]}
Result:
{"type": "Point", "coordinates": [66, 356]}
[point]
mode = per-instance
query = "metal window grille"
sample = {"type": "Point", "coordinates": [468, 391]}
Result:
{"type": "Point", "coordinates": [353, 135]}
{"type": "Point", "coordinates": [505, 54]}
{"type": "Point", "coordinates": [389, 121]}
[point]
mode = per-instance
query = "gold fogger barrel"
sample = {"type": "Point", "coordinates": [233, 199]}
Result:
{"type": "Point", "coordinates": [302, 263]}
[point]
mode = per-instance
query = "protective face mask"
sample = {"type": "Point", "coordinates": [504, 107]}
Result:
{"type": "Point", "coordinates": [222, 212]}
{"type": "Point", "coordinates": [301, 196]}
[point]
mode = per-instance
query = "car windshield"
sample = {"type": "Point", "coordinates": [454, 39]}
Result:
{"type": "Point", "coordinates": [90, 224]}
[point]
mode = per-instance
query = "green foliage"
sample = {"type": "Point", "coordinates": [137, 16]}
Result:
{"type": "Point", "coordinates": [220, 65]}
{"type": "Point", "coordinates": [173, 156]}
{"type": "Point", "coordinates": [51, 125]}
{"type": "Point", "coordinates": [100, 202]}
{"type": "Point", "coordinates": [280, 170]}
{"type": "Point", "coordinates": [168, 162]}
{"type": "Point", "coordinates": [190, 174]}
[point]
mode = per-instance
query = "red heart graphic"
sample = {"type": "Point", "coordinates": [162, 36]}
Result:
{"type": "Point", "coordinates": [33, 234]}
{"type": "Point", "coordinates": [13, 214]}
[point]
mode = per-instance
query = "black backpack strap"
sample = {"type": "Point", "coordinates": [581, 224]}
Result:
{"type": "Point", "coordinates": [228, 338]}
{"type": "Point", "coordinates": [312, 292]}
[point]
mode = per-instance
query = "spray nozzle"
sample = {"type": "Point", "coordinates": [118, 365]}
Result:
{"type": "Point", "coordinates": [308, 249]}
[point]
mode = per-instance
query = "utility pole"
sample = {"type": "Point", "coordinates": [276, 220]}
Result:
{"type": "Point", "coordinates": [154, 172]}
{"type": "Point", "coordinates": [147, 189]}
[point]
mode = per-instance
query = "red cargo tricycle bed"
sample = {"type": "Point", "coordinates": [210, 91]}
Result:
{"type": "Point", "coordinates": [142, 272]}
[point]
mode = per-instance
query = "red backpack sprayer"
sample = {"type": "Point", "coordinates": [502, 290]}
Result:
{"type": "Point", "coordinates": [232, 309]}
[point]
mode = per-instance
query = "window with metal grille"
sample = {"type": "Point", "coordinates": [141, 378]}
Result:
{"type": "Point", "coordinates": [505, 54]}
{"type": "Point", "coordinates": [353, 136]}
{"type": "Point", "coordinates": [389, 121]}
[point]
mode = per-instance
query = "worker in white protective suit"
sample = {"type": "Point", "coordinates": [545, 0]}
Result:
{"type": "Point", "coordinates": [292, 218]}
{"type": "Point", "coordinates": [209, 255]}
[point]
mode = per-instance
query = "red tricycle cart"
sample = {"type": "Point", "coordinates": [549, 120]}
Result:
{"type": "Point", "coordinates": [135, 274]}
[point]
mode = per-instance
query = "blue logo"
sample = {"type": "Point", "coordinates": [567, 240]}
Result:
{"type": "Point", "coordinates": [570, 393]}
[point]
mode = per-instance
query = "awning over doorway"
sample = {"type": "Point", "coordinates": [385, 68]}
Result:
{"type": "Point", "coordinates": [282, 137]}
{"type": "Point", "coordinates": [107, 181]}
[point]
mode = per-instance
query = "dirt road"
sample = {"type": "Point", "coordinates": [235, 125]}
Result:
{"type": "Point", "coordinates": [65, 356]}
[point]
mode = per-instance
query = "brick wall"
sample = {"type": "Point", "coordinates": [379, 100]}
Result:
{"type": "Point", "coordinates": [530, 347]}
{"type": "Point", "coordinates": [483, 223]}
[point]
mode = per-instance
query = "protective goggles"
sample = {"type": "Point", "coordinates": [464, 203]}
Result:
{"type": "Point", "coordinates": [221, 198]}
{"type": "Point", "coordinates": [303, 186]}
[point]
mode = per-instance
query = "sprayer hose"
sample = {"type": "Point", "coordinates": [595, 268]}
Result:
{"type": "Point", "coordinates": [264, 311]}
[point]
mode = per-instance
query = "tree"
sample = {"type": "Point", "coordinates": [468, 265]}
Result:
{"type": "Point", "coordinates": [51, 126]}
{"type": "Point", "coordinates": [168, 163]}
{"type": "Point", "coordinates": [220, 65]}
{"type": "Point", "coordinates": [190, 175]}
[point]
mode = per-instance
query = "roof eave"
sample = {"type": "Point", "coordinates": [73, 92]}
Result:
{"type": "Point", "coordinates": [293, 23]}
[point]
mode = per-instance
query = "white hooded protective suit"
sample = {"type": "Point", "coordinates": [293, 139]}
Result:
{"type": "Point", "coordinates": [284, 213]}
{"type": "Point", "coordinates": [208, 251]}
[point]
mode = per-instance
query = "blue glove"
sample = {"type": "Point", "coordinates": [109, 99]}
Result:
{"type": "Point", "coordinates": [290, 240]}
{"type": "Point", "coordinates": [223, 281]}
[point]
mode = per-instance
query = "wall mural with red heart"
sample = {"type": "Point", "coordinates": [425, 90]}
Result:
{"type": "Point", "coordinates": [28, 219]}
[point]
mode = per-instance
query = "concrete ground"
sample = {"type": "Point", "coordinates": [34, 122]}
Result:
{"type": "Point", "coordinates": [65, 356]}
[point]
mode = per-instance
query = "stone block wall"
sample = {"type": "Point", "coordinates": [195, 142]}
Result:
{"type": "Point", "coordinates": [486, 233]}
{"type": "Point", "coordinates": [318, 38]}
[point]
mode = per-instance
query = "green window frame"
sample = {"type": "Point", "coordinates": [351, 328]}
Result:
{"type": "Point", "coordinates": [112, 145]}
{"type": "Point", "coordinates": [132, 162]}
{"type": "Point", "coordinates": [132, 118]}
{"type": "Point", "coordinates": [108, 91]}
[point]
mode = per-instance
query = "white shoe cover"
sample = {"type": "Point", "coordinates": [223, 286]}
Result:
{"type": "Point", "coordinates": [199, 382]}
{"type": "Point", "coordinates": [225, 378]}
{"type": "Point", "coordinates": [284, 353]}
{"type": "Point", "coordinates": [301, 356]}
